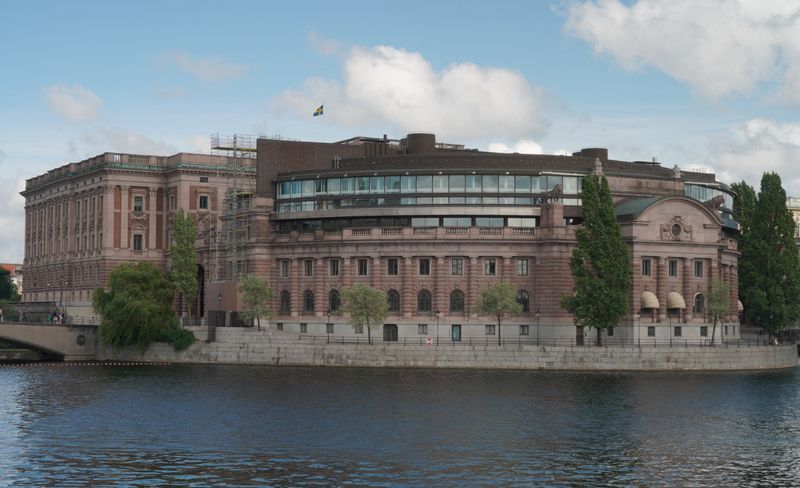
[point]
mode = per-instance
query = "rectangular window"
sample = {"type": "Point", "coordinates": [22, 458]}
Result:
{"type": "Point", "coordinates": [457, 266]}
{"type": "Point", "coordinates": [334, 267]}
{"type": "Point", "coordinates": [522, 267]}
{"type": "Point", "coordinates": [329, 328]}
{"type": "Point", "coordinates": [204, 179]}
{"type": "Point", "coordinates": [645, 266]}
{"type": "Point", "coordinates": [651, 331]}
{"type": "Point", "coordinates": [303, 328]}
{"type": "Point", "coordinates": [424, 267]}
{"type": "Point", "coordinates": [279, 326]}
{"type": "Point", "coordinates": [362, 267]}
{"type": "Point", "coordinates": [524, 329]}
{"type": "Point", "coordinates": [703, 331]}
{"type": "Point", "coordinates": [203, 202]}
{"type": "Point", "coordinates": [138, 203]}
{"type": "Point", "coordinates": [422, 329]}
{"type": "Point", "coordinates": [678, 331]}
{"type": "Point", "coordinates": [308, 267]}
{"type": "Point", "coordinates": [359, 329]}
{"type": "Point", "coordinates": [284, 269]}
{"type": "Point", "coordinates": [610, 332]}
{"type": "Point", "coordinates": [392, 267]}
{"type": "Point", "coordinates": [489, 329]}
{"type": "Point", "coordinates": [672, 264]}
{"type": "Point", "coordinates": [137, 242]}
{"type": "Point", "coordinates": [698, 269]}
{"type": "Point", "coordinates": [489, 267]}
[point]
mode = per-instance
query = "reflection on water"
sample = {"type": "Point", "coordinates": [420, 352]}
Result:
{"type": "Point", "coordinates": [255, 426]}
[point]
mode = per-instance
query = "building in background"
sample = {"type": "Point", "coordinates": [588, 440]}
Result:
{"type": "Point", "coordinates": [83, 219]}
{"type": "Point", "coordinates": [432, 224]}
{"type": "Point", "coordinates": [15, 270]}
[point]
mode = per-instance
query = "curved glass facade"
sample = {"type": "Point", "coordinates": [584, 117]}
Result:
{"type": "Point", "coordinates": [704, 194]}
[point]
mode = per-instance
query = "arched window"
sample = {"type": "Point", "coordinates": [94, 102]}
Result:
{"type": "Point", "coordinates": [524, 301]}
{"type": "Point", "coordinates": [699, 304]}
{"type": "Point", "coordinates": [308, 301]}
{"type": "Point", "coordinates": [424, 301]}
{"type": "Point", "coordinates": [394, 300]}
{"type": "Point", "coordinates": [457, 301]}
{"type": "Point", "coordinates": [286, 303]}
{"type": "Point", "coordinates": [334, 301]}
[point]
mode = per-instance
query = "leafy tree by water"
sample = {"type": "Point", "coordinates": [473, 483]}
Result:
{"type": "Point", "coordinates": [769, 268]}
{"type": "Point", "coordinates": [366, 306]}
{"type": "Point", "coordinates": [183, 257]}
{"type": "Point", "coordinates": [600, 263]}
{"type": "Point", "coordinates": [719, 304]}
{"type": "Point", "coordinates": [137, 308]}
{"type": "Point", "coordinates": [256, 296]}
{"type": "Point", "coordinates": [497, 300]}
{"type": "Point", "coordinates": [5, 285]}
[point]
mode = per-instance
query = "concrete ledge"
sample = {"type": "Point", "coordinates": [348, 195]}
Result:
{"type": "Point", "coordinates": [266, 347]}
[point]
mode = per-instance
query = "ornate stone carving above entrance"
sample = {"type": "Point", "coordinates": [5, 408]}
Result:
{"type": "Point", "coordinates": [676, 230]}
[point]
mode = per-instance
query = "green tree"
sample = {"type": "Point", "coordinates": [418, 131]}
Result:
{"type": "Point", "coordinates": [137, 308]}
{"type": "Point", "coordinates": [600, 263]}
{"type": "Point", "coordinates": [183, 255]}
{"type": "Point", "coordinates": [769, 265]}
{"type": "Point", "coordinates": [744, 205]}
{"type": "Point", "coordinates": [366, 306]}
{"type": "Point", "coordinates": [719, 304]}
{"type": "Point", "coordinates": [257, 296]}
{"type": "Point", "coordinates": [497, 300]}
{"type": "Point", "coordinates": [5, 285]}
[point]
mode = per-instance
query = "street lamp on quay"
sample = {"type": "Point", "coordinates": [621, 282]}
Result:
{"type": "Point", "coordinates": [438, 314]}
{"type": "Point", "coordinates": [537, 327]}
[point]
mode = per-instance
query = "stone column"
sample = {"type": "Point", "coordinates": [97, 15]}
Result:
{"type": "Point", "coordinates": [151, 219]}
{"type": "Point", "coordinates": [375, 271]}
{"type": "Point", "coordinates": [661, 288]}
{"type": "Point", "coordinates": [474, 274]}
{"type": "Point", "coordinates": [442, 300]}
{"type": "Point", "coordinates": [296, 293]}
{"type": "Point", "coordinates": [408, 304]}
{"type": "Point", "coordinates": [320, 295]}
{"type": "Point", "coordinates": [347, 271]}
{"type": "Point", "coordinates": [687, 292]}
{"type": "Point", "coordinates": [108, 217]}
{"type": "Point", "coordinates": [124, 210]}
{"type": "Point", "coordinates": [508, 270]}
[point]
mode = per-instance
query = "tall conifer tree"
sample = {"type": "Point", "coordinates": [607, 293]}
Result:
{"type": "Point", "coordinates": [600, 263]}
{"type": "Point", "coordinates": [183, 255]}
{"type": "Point", "coordinates": [770, 263]}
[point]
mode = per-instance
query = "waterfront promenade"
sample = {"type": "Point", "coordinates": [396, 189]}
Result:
{"type": "Point", "coordinates": [234, 345]}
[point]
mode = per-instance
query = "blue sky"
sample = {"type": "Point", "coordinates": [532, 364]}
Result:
{"type": "Point", "coordinates": [711, 85]}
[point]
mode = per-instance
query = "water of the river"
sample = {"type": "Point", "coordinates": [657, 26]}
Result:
{"type": "Point", "coordinates": [265, 426]}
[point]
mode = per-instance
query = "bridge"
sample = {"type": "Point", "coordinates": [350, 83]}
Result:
{"type": "Point", "coordinates": [67, 342]}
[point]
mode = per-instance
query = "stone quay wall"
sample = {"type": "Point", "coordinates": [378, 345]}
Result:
{"type": "Point", "coordinates": [268, 347]}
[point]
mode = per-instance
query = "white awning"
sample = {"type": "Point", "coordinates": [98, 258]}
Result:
{"type": "Point", "coordinates": [741, 307]}
{"type": "Point", "coordinates": [649, 300]}
{"type": "Point", "coordinates": [675, 300]}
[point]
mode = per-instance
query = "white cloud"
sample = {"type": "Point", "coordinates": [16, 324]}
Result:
{"type": "Point", "coordinates": [200, 143]}
{"type": "Point", "coordinates": [72, 103]}
{"type": "Point", "coordinates": [757, 146]}
{"type": "Point", "coordinates": [523, 146]}
{"type": "Point", "coordinates": [384, 86]}
{"type": "Point", "coordinates": [12, 218]}
{"type": "Point", "coordinates": [213, 68]}
{"type": "Point", "coordinates": [324, 45]}
{"type": "Point", "coordinates": [719, 48]}
{"type": "Point", "coordinates": [112, 140]}
{"type": "Point", "coordinates": [2, 155]}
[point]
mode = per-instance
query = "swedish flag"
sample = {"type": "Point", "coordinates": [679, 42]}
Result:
{"type": "Point", "coordinates": [318, 111]}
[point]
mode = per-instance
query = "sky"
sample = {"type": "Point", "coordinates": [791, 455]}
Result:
{"type": "Point", "coordinates": [711, 86]}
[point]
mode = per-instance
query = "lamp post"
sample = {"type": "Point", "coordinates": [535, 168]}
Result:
{"type": "Point", "coordinates": [438, 314]}
{"type": "Point", "coordinates": [537, 326]}
{"type": "Point", "coordinates": [219, 306]}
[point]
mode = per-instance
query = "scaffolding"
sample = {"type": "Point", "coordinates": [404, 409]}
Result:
{"type": "Point", "coordinates": [238, 153]}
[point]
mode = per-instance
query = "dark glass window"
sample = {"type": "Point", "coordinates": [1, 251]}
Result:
{"type": "Point", "coordinates": [286, 303]}
{"type": "Point", "coordinates": [424, 301]}
{"type": "Point", "coordinates": [308, 301]}
{"type": "Point", "coordinates": [524, 300]}
{"type": "Point", "coordinates": [457, 301]}
{"type": "Point", "coordinates": [334, 301]}
{"type": "Point", "coordinates": [394, 301]}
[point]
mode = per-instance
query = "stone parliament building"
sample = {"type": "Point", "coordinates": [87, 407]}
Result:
{"type": "Point", "coordinates": [429, 224]}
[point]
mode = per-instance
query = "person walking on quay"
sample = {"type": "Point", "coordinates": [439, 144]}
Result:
{"type": "Point", "coordinates": [1, 314]}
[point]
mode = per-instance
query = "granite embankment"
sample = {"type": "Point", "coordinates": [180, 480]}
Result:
{"type": "Point", "coordinates": [250, 346]}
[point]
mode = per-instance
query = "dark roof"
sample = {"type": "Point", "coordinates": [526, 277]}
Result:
{"type": "Point", "coordinates": [630, 209]}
